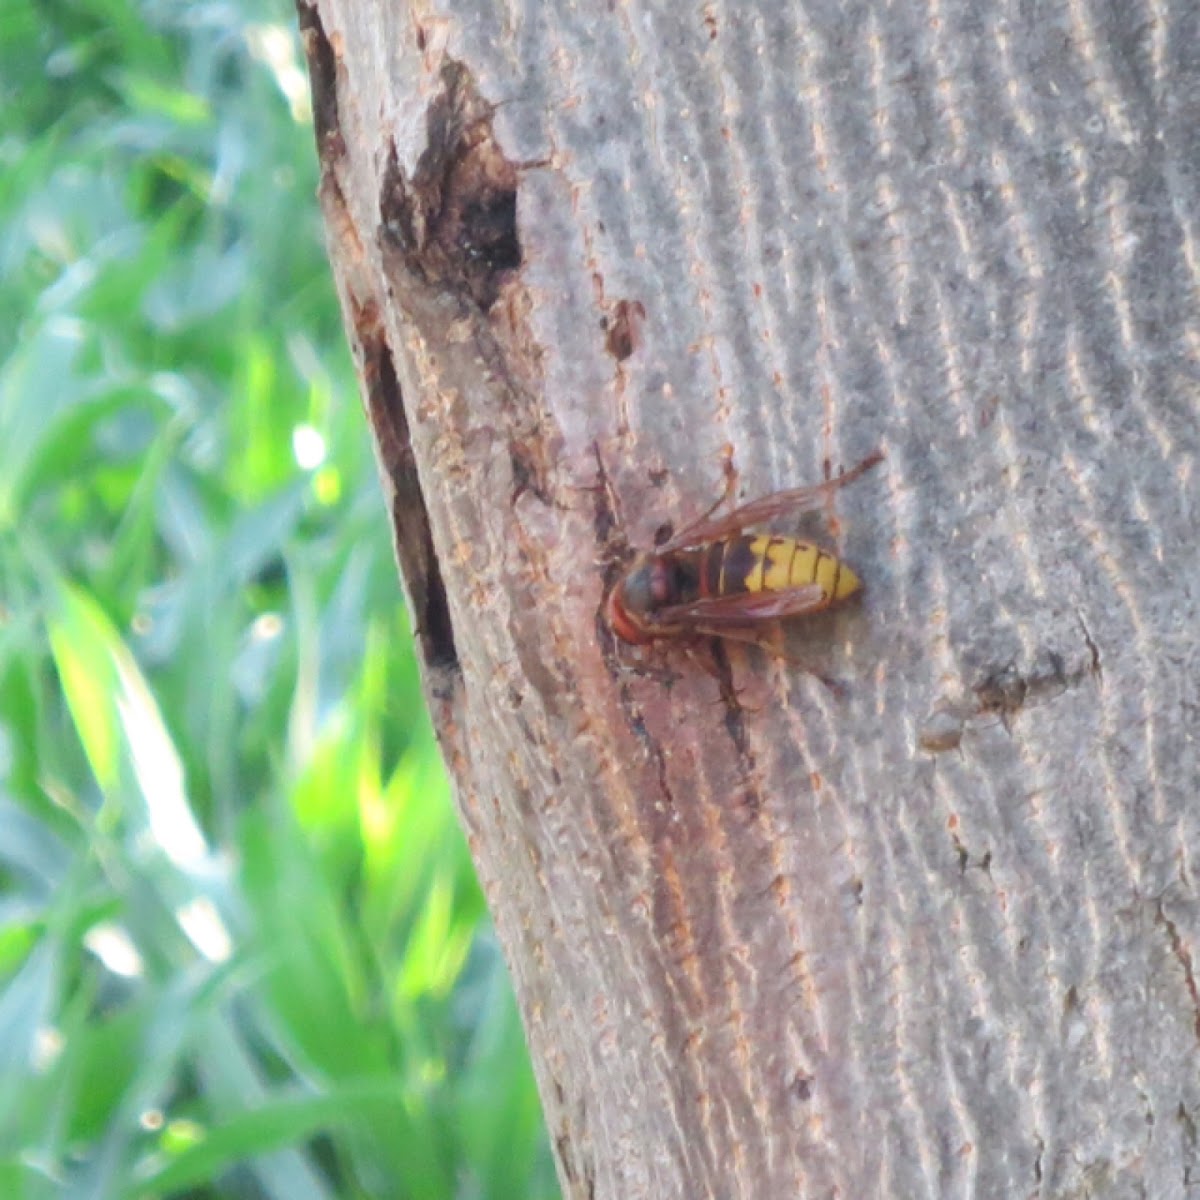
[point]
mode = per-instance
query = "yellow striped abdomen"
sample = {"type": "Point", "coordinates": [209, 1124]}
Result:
{"type": "Point", "coordinates": [781, 563]}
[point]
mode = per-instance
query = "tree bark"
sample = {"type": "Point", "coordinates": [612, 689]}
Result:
{"type": "Point", "coordinates": [931, 933]}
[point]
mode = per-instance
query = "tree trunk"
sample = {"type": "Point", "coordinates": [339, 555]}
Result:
{"type": "Point", "coordinates": [931, 932]}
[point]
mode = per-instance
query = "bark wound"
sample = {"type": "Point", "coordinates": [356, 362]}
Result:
{"type": "Point", "coordinates": [455, 220]}
{"type": "Point", "coordinates": [452, 226]}
{"type": "Point", "coordinates": [410, 518]}
{"type": "Point", "coordinates": [1002, 691]}
{"type": "Point", "coordinates": [1005, 692]}
{"type": "Point", "coordinates": [623, 329]}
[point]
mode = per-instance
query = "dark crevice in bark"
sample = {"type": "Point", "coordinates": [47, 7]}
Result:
{"type": "Point", "coordinates": [735, 726]}
{"type": "Point", "coordinates": [638, 725]}
{"type": "Point", "coordinates": [419, 567]}
{"type": "Point", "coordinates": [1184, 956]}
{"type": "Point", "coordinates": [1093, 649]}
{"type": "Point", "coordinates": [322, 75]}
{"type": "Point", "coordinates": [1187, 1129]}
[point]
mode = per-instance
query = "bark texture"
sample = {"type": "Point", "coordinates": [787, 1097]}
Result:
{"type": "Point", "coordinates": [933, 936]}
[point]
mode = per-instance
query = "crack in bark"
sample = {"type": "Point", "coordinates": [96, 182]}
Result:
{"type": "Point", "coordinates": [1184, 955]}
{"type": "Point", "coordinates": [1093, 649]}
{"type": "Point", "coordinates": [322, 76]}
{"type": "Point", "coordinates": [1188, 1137]}
{"type": "Point", "coordinates": [637, 724]}
{"type": "Point", "coordinates": [432, 625]}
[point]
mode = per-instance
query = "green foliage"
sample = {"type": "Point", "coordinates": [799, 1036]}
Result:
{"type": "Point", "coordinates": [242, 952]}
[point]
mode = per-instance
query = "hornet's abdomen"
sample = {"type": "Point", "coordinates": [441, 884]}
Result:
{"type": "Point", "coordinates": [767, 563]}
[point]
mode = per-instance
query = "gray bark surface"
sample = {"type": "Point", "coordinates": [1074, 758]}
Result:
{"type": "Point", "coordinates": [933, 934]}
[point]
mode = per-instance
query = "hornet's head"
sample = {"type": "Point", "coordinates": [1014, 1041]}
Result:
{"type": "Point", "coordinates": [648, 586]}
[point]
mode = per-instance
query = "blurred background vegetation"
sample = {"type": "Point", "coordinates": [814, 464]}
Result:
{"type": "Point", "coordinates": [242, 950]}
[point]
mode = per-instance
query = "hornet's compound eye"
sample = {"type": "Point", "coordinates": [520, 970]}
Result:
{"type": "Point", "coordinates": [648, 586]}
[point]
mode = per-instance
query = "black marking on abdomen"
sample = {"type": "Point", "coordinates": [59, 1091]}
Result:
{"type": "Point", "coordinates": [710, 572]}
{"type": "Point", "coordinates": [740, 562]}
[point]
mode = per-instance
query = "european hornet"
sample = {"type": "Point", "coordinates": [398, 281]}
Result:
{"type": "Point", "coordinates": [713, 580]}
